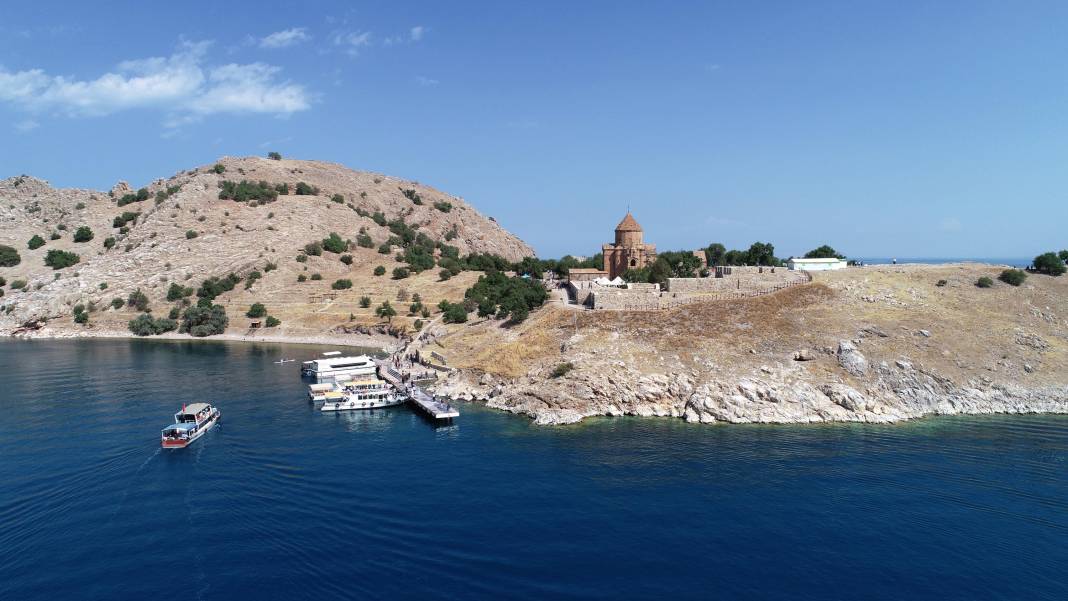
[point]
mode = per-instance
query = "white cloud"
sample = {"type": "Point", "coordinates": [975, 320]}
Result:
{"type": "Point", "coordinates": [26, 125]}
{"type": "Point", "coordinates": [284, 38]}
{"type": "Point", "coordinates": [414, 35]}
{"type": "Point", "coordinates": [181, 84]}
{"type": "Point", "coordinates": [352, 41]}
{"type": "Point", "coordinates": [426, 82]}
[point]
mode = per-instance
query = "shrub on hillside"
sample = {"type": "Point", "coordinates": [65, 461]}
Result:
{"type": "Point", "coordinates": [413, 196]}
{"type": "Point", "coordinates": [219, 168]}
{"type": "Point", "coordinates": [204, 321]}
{"type": "Point", "coordinates": [60, 259]}
{"type": "Point", "coordinates": [302, 278]}
{"type": "Point", "coordinates": [384, 248]}
{"type": "Point", "coordinates": [273, 322]}
{"type": "Point", "coordinates": [399, 273]}
{"type": "Point", "coordinates": [9, 257]}
{"type": "Point", "coordinates": [316, 276]}
{"type": "Point", "coordinates": [314, 248]}
{"type": "Point", "coordinates": [335, 244]}
{"type": "Point", "coordinates": [984, 282]}
{"type": "Point", "coordinates": [941, 283]}
{"type": "Point", "coordinates": [145, 325]}
{"type": "Point", "coordinates": [274, 156]}
{"type": "Point", "coordinates": [54, 236]}
{"type": "Point", "coordinates": [513, 297]}
{"type": "Point", "coordinates": [346, 259]}
{"type": "Point", "coordinates": [256, 310]}
{"type": "Point", "coordinates": [138, 299]}
{"type": "Point", "coordinates": [35, 242]}
{"type": "Point", "coordinates": [379, 218]}
{"type": "Point", "coordinates": [380, 270]}
{"type": "Point", "coordinates": [177, 292]}
{"type": "Point", "coordinates": [140, 196]}
{"type": "Point", "coordinates": [562, 369]}
{"type": "Point", "coordinates": [190, 234]}
{"type": "Point", "coordinates": [1013, 277]}
{"type": "Point", "coordinates": [364, 241]}
{"type": "Point", "coordinates": [343, 284]}
{"type": "Point", "coordinates": [109, 242]}
{"type": "Point", "coordinates": [214, 286]}
{"type": "Point", "coordinates": [304, 189]}
{"type": "Point", "coordinates": [18, 284]}
{"type": "Point", "coordinates": [444, 274]}
{"type": "Point", "coordinates": [365, 301]}
{"type": "Point", "coordinates": [126, 217]}
{"type": "Point", "coordinates": [83, 234]}
{"type": "Point", "coordinates": [339, 199]}
{"type": "Point", "coordinates": [117, 303]}
{"type": "Point", "coordinates": [443, 206]}
{"type": "Point", "coordinates": [245, 190]}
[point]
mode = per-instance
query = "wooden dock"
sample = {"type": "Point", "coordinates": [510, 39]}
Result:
{"type": "Point", "coordinates": [426, 403]}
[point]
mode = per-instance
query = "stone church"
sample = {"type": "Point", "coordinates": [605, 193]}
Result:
{"type": "Point", "coordinates": [628, 252]}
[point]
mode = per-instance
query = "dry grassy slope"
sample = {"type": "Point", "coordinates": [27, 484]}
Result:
{"type": "Point", "coordinates": [232, 237]}
{"type": "Point", "coordinates": [974, 332]}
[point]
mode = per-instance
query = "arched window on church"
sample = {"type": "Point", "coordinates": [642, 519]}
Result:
{"type": "Point", "coordinates": [634, 262]}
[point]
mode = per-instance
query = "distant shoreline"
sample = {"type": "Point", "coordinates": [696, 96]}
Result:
{"type": "Point", "coordinates": [381, 343]}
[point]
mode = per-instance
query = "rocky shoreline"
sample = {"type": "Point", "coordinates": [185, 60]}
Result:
{"type": "Point", "coordinates": [780, 394]}
{"type": "Point", "coordinates": [378, 341]}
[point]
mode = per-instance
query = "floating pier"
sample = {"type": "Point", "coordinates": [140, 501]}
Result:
{"type": "Point", "coordinates": [426, 403]}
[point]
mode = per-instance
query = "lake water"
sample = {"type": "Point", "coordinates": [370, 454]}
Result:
{"type": "Point", "coordinates": [282, 502]}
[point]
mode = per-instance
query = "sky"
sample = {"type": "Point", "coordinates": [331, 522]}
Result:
{"type": "Point", "coordinates": [889, 129]}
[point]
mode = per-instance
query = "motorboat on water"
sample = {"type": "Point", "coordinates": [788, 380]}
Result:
{"type": "Point", "coordinates": [281, 361]}
{"type": "Point", "coordinates": [333, 367]}
{"type": "Point", "coordinates": [190, 424]}
{"type": "Point", "coordinates": [361, 394]}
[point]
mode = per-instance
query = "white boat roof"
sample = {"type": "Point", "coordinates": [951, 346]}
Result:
{"type": "Point", "coordinates": [193, 408]}
{"type": "Point", "coordinates": [331, 353]}
{"type": "Point", "coordinates": [822, 260]}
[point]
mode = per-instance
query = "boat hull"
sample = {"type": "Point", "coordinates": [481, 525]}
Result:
{"type": "Point", "coordinates": [181, 444]}
{"type": "Point", "coordinates": [361, 405]}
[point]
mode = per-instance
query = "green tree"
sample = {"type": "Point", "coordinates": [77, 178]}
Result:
{"type": "Point", "coordinates": [386, 311]}
{"type": "Point", "coordinates": [273, 322]}
{"type": "Point", "coordinates": [380, 270]}
{"type": "Point", "coordinates": [1050, 263]}
{"type": "Point", "coordinates": [204, 321]}
{"type": "Point", "coordinates": [984, 282]}
{"type": "Point", "coordinates": [1063, 255]}
{"type": "Point", "coordinates": [455, 313]}
{"type": "Point", "coordinates": [715, 254]}
{"type": "Point", "coordinates": [36, 242]}
{"type": "Point", "coordinates": [762, 253]}
{"type": "Point", "coordinates": [256, 310]}
{"type": "Point", "coordinates": [400, 273]}
{"type": "Point", "coordinates": [342, 284]}
{"type": "Point", "coordinates": [823, 252]}
{"type": "Point", "coordinates": [274, 156]}
{"type": "Point", "coordinates": [219, 168]}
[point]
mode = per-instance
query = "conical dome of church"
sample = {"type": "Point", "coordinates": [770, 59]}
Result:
{"type": "Point", "coordinates": [629, 224]}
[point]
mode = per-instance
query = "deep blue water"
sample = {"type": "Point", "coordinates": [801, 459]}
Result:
{"type": "Point", "coordinates": [282, 502]}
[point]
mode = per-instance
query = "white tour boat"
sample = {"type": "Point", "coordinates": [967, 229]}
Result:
{"type": "Point", "coordinates": [332, 367]}
{"type": "Point", "coordinates": [363, 394]}
{"type": "Point", "coordinates": [189, 424]}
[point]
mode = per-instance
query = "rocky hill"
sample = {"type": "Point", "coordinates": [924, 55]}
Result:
{"type": "Point", "coordinates": [180, 231]}
{"type": "Point", "coordinates": [874, 344]}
